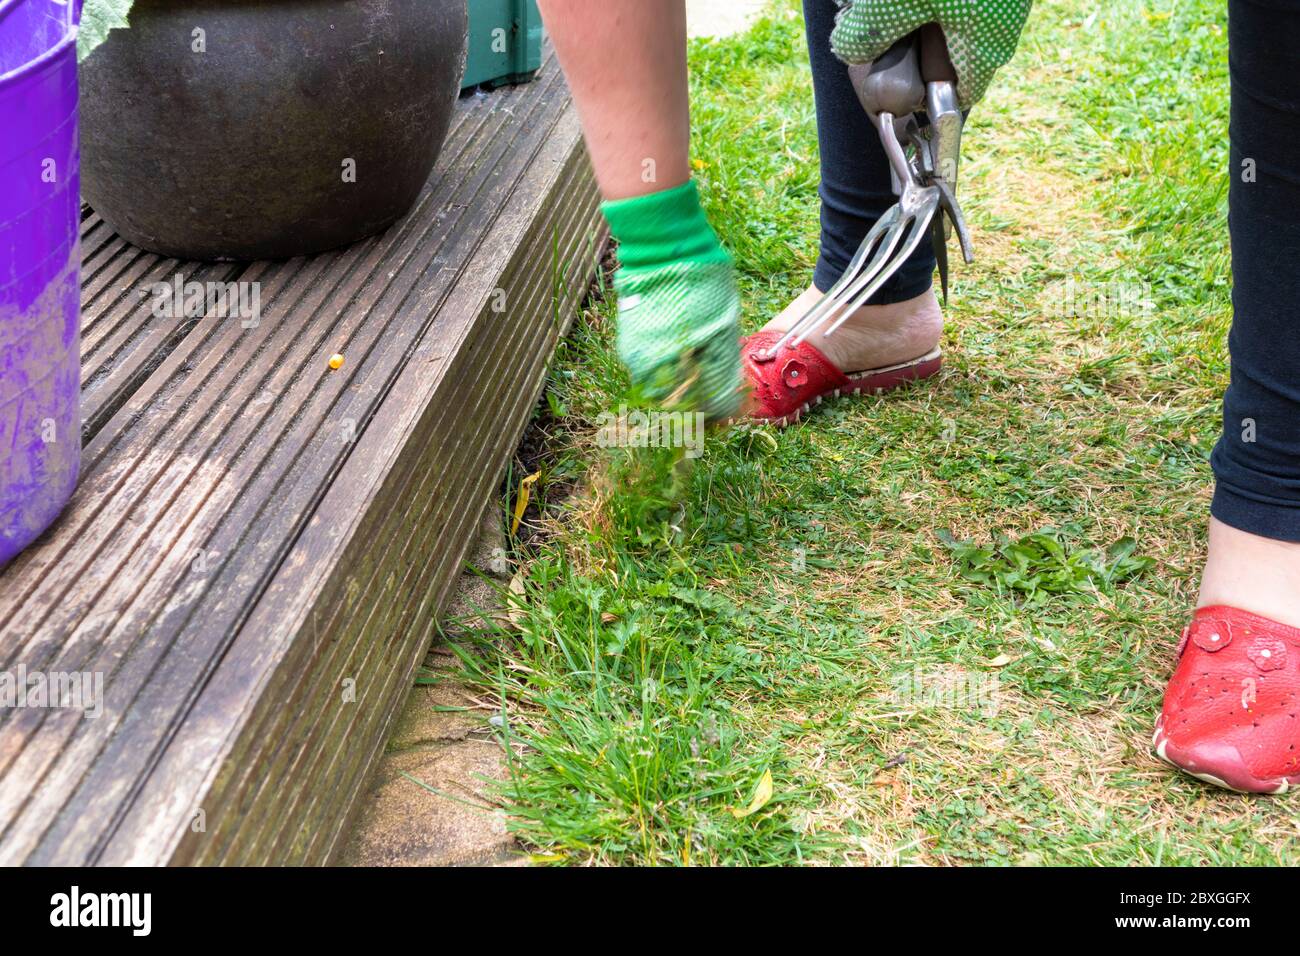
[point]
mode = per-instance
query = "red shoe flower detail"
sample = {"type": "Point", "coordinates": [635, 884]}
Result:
{"type": "Point", "coordinates": [1268, 653]}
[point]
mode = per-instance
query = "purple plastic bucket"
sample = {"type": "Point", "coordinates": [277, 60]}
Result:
{"type": "Point", "coordinates": [40, 426]}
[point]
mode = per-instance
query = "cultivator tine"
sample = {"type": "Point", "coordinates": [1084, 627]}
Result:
{"type": "Point", "coordinates": [923, 166]}
{"type": "Point", "coordinates": [918, 225]}
{"type": "Point", "coordinates": [882, 261]}
{"type": "Point", "coordinates": [938, 237]}
{"type": "Point", "coordinates": [862, 259]}
{"type": "Point", "coordinates": [948, 202]}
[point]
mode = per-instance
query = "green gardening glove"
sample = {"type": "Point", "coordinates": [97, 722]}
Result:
{"type": "Point", "coordinates": [981, 34]}
{"type": "Point", "coordinates": [678, 308]}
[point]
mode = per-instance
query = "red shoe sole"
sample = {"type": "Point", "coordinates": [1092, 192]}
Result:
{"type": "Point", "coordinates": [1222, 770]}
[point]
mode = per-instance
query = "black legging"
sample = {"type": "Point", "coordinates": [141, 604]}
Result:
{"type": "Point", "coordinates": [855, 188]}
{"type": "Point", "coordinates": [1257, 460]}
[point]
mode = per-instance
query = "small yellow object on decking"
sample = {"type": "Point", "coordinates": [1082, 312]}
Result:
{"type": "Point", "coordinates": [336, 361]}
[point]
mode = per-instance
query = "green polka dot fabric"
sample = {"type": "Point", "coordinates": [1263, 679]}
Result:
{"type": "Point", "coordinates": [678, 305]}
{"type": "Point", "coordinates": [981, 34]}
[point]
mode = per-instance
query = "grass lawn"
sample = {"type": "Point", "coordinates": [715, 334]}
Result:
{"type": "Point", "coordinates": [930, 627]}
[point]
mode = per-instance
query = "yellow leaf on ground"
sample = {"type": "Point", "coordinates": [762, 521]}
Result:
{"type": "Point", "coordinates": [521, 501]}
{"type": "Point", "coordinates": [516, 601]}
{"type": "Point", "coordinates": [761, 796]}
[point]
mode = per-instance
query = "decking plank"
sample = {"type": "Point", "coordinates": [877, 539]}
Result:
{"type": "Point", "coordinates": [284, 804]}
{"type": "Point", "coordinates": [490, 455]}
{"type": "Point", "coordinates": [454, 401]}
{"type": "Point", "coordinates": [203, 437]}
{"type": "Point", "coordinates": [282, 509]}
{"type": "Point", "coordinates": [221, 368]}
{"type": "Point", "coordinates": [310, 415]}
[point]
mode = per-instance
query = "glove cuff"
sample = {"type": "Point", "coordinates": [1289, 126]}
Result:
{"type": "Point", "coordinates": [663, 227]}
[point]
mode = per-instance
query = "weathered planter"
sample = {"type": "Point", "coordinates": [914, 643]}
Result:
{"type": "Point", "coordinates": [250, 129]}
{"type": "Point", "coordinates": [40, 427]}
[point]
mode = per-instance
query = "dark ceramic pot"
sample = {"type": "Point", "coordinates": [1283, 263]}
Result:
{"type": "Point", "coordinates": [262, 129]}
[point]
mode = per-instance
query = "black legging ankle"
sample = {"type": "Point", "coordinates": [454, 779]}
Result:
{"type": "Point", "coordinates": [1257, 460]}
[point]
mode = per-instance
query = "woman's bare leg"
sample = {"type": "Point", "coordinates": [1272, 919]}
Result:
{"type": "Point", "coordinates": [678, 306]}
{"type": "Point", "coordinates": [625, 61]}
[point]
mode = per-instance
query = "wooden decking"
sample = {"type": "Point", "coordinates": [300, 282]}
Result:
{"type": "Point", "coordinates": [259, 546]}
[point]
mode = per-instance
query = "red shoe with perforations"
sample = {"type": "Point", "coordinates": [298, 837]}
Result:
{"type": "Point", "coordinates": [1232, 709]}
{"type": "Point", "coordinates": [786, 385]}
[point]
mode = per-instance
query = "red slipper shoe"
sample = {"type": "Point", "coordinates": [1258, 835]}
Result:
{"type": "Point", "coordinates": [1232, 710]}
{"type": "Point", "coordinates": [786, 385]}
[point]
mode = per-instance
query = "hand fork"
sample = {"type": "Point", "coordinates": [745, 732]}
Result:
{"type": "Point", "coordinates": [892, 91]}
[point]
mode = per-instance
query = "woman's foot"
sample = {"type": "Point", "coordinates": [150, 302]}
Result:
{"type": "Point", "coordinates": [875, 336]}
{"type": "Point", "coordinates": [878, 348]}
{"type": "Point", "coordinates": [1230, 712]}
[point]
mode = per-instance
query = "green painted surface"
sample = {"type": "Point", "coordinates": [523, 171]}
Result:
{"type": "Point", "coordinates": [505, 42]}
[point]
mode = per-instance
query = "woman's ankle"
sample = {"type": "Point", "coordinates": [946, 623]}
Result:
{"type": "Point", "coordinates": [875, 336]}
{"type": "Point", "coordinates": [1253, 573]}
